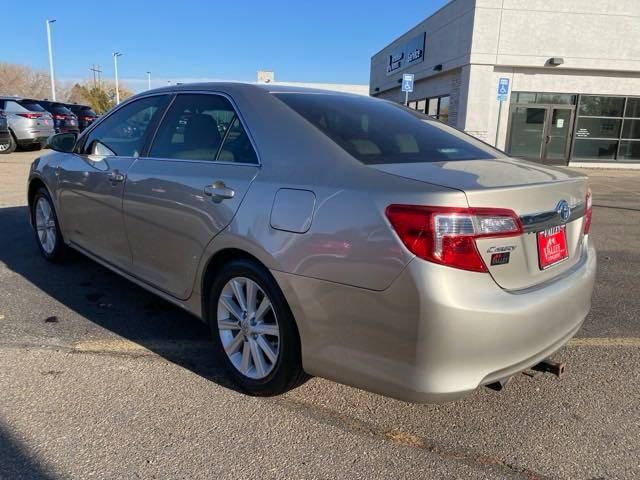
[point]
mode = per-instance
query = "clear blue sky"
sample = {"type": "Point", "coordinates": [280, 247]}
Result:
{"type": "Point", "coordinates": [313, 41]}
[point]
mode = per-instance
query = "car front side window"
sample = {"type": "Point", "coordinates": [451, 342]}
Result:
{"type": "Point", "coordinates": [123, 133]}
{"type": "Point", "coordinates": [202, 127]}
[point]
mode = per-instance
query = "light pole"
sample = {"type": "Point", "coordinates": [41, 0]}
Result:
{"type": "Point", "coordinates": [53, 82]}
{"type": "Point", "coordinates": [148, 80]}
{"type": "Point", "coordinates": [115, 66]}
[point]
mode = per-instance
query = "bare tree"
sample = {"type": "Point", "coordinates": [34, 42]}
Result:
{"type": "Point", "coordinates": [24, 81]}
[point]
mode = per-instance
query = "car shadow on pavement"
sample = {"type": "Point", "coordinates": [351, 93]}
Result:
{"type": "Point", "coordinates": [102, 297]}
{"type": "Point", "coordinates": [15, 460]}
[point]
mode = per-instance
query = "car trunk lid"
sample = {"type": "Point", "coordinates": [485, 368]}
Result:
{"type": "Point", "coordinates": [534, 192]}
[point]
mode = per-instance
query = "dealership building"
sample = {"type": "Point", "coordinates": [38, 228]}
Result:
{"type": "Point", "coordinates": [553, 81]}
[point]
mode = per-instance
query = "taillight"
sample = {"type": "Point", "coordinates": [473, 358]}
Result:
{"type": "Point", "coordinates": [589, 212]}
{"type": "Point", "coordinates": [447, 235]}
{"type": "Point", "coordinates": [30, 115]}
{"type": "Point", "coordinates": [57, 116]}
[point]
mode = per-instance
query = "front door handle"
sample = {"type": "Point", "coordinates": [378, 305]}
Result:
{"type": "Point", "coordinates": [116, 177]}
{"type": "Point", "coordinates": [219, 191]}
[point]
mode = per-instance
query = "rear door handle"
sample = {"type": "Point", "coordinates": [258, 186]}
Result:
{"type": "Point", "coordinates": [219, 191]}
{"type": "Point", "coordinates": [116, 177]}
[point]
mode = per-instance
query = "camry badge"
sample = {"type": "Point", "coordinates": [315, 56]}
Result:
{"type": "Point", "coordinates": [563, 210]}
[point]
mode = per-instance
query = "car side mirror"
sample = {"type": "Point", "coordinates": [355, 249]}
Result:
{"type": "Point", "coordinates": [62, 142]}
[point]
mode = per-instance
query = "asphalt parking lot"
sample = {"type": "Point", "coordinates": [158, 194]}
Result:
{"type": "Point", "coordinates": [100, 379]}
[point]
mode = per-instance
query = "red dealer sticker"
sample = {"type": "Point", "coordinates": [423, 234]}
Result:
{"type": "Point", "coordinates": [552, 246]}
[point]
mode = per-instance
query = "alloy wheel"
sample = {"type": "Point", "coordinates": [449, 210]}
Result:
{"type": "Point", "coordinates": [45, 225]}
{"type": "Point", "coordinates": [248, 328]}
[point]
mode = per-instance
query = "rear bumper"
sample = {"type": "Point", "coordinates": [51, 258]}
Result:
{"type": "Point", "coordinates": [31, 137]}
{"type": "Point", "coordinates": [437, 333]}
{"type": "Point", "coordinates": [67, 130]}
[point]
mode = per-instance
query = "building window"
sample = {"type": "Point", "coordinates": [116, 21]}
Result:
{"type": "Point", "coordinates": [443, 109]}
{"type": "Point", "coordinates": [437, 107]}
{"type": "Point", "coordinates": [601, 106]}
{"type": "Point", "coordinates": [433, 107]}
{"type": "Point", "coordinates": [608, 128]}
{"type": "Point", "coordinates": [545, 98]}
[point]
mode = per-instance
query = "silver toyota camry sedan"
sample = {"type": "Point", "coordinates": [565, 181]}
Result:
{"type": "Point", "coordinates": [326, 234]}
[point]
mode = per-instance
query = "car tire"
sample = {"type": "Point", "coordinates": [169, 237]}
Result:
{"type": "Point", "coordinates": [47, 228]}
{"type": "Point", "coordinates": [264, 344]}
{"type": "Point", "coordinates": [9, 147]}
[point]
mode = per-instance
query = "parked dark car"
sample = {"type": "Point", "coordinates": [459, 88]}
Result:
{"type": "Point", "coordinates": [86, 115]}
{"type": "Point", "coordinates": [64, 120]}
{"type": "Point", "coordinates": [5, 137]}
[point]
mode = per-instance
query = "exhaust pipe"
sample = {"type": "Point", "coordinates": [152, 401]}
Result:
{"type": "Point", "coordinates": [545, 366]}
{"type": "Point", "coordinates": [549, 366]}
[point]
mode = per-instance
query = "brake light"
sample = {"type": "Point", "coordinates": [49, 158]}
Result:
{"type": "Point", "coordinates": [57, 116]}
{"type": "Point", "coordinates": [30, 115]}
{"type": "Point", "coordinates": [446, 235]}
{"type": "Point", "coordinates": [589, 213]}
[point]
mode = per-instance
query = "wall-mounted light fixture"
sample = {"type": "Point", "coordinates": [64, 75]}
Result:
{"type": "Point", "coordinates": [555, 61]}
{"type": "Point", "coordinates": [437, 68]}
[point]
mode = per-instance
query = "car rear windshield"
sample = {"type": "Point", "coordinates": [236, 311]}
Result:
{"type": "Point", "coordinates": [58, 108]}
{"type": "Point", "coordinates": [378, 132]}
{"type": "Point", "coordinates": [31, 106]}
{"type": "Point", "coordinates": [82, 110]}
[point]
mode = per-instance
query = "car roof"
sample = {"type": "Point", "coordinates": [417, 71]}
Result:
{"type": "Point", "coordinates": [247, 87]}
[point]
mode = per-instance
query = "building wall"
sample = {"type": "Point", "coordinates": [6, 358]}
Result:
{"type": "Point", "coordinates": [448, 43]}
{"type": "Point", "coordinates": [448, 83]}
{"type": "Point", "coordinates": [599, 41]}
{"type": "Point", "coordinates": [588, 34]}
{"type": "Point", "coordinates": [543, 80]}
{"type": "Point", "coordinates": [479, 41]}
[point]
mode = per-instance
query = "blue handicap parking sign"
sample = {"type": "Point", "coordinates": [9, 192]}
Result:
{"type": "Point", "coordinates": [407, 82]}
{"type": "Point", "coordinates": [503, 89]}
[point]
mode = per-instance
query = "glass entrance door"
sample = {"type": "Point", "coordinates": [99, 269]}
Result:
{"type": "Point", "coordinates": [541, 133]}
{"type": "Point", "coordinates": [558, 135]}
{"type": "Point", "coordinates": [526, 132]}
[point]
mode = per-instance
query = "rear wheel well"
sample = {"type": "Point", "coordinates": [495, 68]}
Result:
{"type": "Point", "coordinates": [215, 262]}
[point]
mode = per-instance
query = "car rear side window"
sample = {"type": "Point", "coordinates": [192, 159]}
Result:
{"type": "Point", "coordinates": [14, 107]}
{"type": "Point", "coordinates": [123, 133]}
{"type": "Point", "coordinates": [202, 127]}
{"type": "Point", "coordinates": [380, 132]}
{"type": "Point", "coordinates": [32, 106]}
